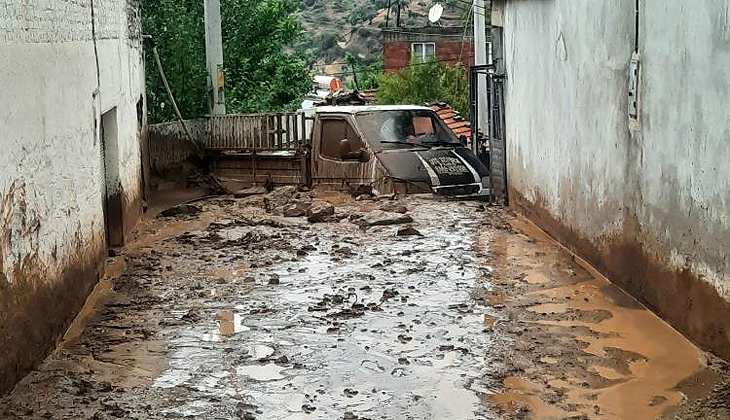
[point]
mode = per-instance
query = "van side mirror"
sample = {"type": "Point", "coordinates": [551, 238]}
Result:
{"type": "Point", "coordinates": [346, 152]}
{"type": "Point", "coordinates": [364, 155]}
{"type": "Point", "coordinates": [345, 149]}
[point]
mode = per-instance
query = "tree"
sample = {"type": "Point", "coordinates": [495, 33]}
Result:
{"type": "Point", "coordinates": [432, 81]}
{"type": "Point", "coordinates": [261, 76]}
{"type": "Point", "coordinates": [178, 31]}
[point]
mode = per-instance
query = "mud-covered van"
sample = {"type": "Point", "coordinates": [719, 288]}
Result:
{"type": "Point", "coordinates": [395, 149]}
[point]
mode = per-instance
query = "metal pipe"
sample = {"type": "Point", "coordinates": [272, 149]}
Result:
{"type": "Point", "coordinates": [195, 146]}
{"type": "Point", "coordinates": [387, 15]}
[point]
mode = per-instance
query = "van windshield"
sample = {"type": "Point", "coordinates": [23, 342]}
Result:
{"type": "Point", "coordinates": [401, 129]}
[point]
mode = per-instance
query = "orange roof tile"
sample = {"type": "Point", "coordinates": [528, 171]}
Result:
{"type": "Point", "coordinates": [453, 119]}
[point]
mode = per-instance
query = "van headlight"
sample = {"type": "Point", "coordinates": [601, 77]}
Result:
{"type": "Point", "coordinates": [486, 182]}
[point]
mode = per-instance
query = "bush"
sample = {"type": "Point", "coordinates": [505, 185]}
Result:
{"type": "Point", "coordinates": [432, 81]}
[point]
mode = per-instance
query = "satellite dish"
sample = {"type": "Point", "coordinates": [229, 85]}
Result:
{"type": "Point", "coordinates": [435, 13]}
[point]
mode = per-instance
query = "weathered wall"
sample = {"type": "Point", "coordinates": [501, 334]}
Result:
{"type": "Point", "coordinates": [397, 55]}
{"type": "Point", "coordinates": [451, 45]}
{"type": "Point", "coordinates": [650, 208]}
{"type": "Point", "coordinates": [52, 95]}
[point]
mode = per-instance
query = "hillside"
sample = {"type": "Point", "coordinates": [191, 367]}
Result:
{"type": "Point", "coordinates": [334, 28]}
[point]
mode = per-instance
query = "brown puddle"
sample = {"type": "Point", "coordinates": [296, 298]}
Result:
{"type": "Point", "coordinates": [634, 361]}
{"type": "Point", "coordinates": [114, 268]}
{"type": "Point", "coordinates": [520, 392]}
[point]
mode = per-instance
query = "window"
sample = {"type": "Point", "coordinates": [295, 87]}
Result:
{"type": "Point", "coordinates": [422, 51]}
{"type": "Point", "coordinates": [333, 132]}
{"type": "Point", "coordinates": [400, 129]}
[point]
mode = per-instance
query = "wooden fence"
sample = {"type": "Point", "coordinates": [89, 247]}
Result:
{"type": "Point", "coordinates": [258, 132]}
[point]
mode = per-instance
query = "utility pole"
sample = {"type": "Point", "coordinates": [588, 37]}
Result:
{"type": "Point", "coordinates": [481, 59]}
{"type": "Point", "coordinates": [214, 57]}
{"type": "Point", "coordinates": [387, 16]}
{"type": "Point", "coordinates": [397, 21]}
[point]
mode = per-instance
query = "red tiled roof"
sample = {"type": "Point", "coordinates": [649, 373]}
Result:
{"type": "Point", "coordinates": [453, 119]}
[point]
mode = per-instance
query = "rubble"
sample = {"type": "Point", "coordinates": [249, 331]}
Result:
{"type": "Point", "coordinates": [408, 231]}
{"type": "Point", "coordinates": [383, 218]}
{"type": "Point", "coordinates": [394, 207]}
{"type": "Point", "coordinates": [182, 210]}
{"type": "Point", "coordinates": [247, 192]}
{"type": "Point", "coordinates": [296, 208]}
{"type": "Point", "coordinates": [320, 211]}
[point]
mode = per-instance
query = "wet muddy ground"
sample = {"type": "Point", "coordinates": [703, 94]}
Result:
{"type": "Point", "coordinates": [368, 309]}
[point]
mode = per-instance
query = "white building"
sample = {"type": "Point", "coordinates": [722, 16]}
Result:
{"type": "Point", "coordinates": [617, 133]}
{"type": "Point", "coordinates": [71, 117]}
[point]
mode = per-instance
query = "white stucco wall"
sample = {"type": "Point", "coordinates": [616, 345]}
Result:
{"type": "Point", "coordinates": [566, 107]}
{"type": "Point", "coordinates": [52, 239]}
{"type": "Point", "coordinates": [652, 207]}
{"type": "Point", "coordinates": [685, 134]}
{"type": "Point", "coordinates": [51, 150]}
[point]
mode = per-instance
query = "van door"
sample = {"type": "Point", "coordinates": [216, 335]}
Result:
{"type": "Point", "coordinates": [330, 166]}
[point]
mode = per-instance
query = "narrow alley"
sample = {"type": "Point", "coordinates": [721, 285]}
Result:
{"type": "Point", "coordinates": [417, 308]}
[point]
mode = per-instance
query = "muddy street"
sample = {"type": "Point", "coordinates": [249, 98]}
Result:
{"type": "Point", "coordinates": [296, 305]}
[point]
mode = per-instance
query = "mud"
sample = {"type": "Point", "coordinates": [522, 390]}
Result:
{"type": "Point", "coordinates": [226, 310]}
{"type": "Point", "coordinates": [586, 349]}
{"type": "Point", "coordinates": [38, 299]}
{"type": "Point", "coordinates": [636, 262]}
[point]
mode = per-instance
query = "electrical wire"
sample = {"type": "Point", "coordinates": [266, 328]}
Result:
{"type": "Point", "coordinates": [376, 28]}
{"type": "Point", "coordinates": [452, 59]}
{"type": "Point", "coordinates": [467, 2]}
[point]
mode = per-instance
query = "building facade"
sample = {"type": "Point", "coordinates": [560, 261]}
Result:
{"type": "Point", "coordinates": [617, 144]}
{"type": "Point", "coordinates": [72, 112]}
{"type": "Point", "coordinates": [404, 46]}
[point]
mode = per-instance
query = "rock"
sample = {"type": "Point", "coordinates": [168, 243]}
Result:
{"type": "Point", "coordinates": [320, 211]}
{"type": "Point", "coordinates": [182, 210]}
{"type": "Point", "coordinates": [408, 231]}
{"type": "Point", "coordinates": [296, 208]}
{"type": "Point", "coordinates": [395, 207]}
{"type": "Point", "coordinates": [275, 200]}
{"type": "Point", "coordinates": [361, 189]}
{"type": "Point", "coordinates": [247, 192]}
{"type": "Point", "coordinates": [274, 279]}
{"type": "Point", "coordinates": [286, 191]}
{"type": "Point", "coordinates": [350, 392]}
{"type": "Point", "coordinates": [283, 360]}
{"type": "Point", "coordinates": [383, 218]}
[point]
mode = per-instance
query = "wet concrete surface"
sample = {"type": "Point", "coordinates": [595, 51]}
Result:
{"type": "Point", "coordinates": [226, 310]}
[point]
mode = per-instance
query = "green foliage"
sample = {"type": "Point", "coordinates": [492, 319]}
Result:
{"type": "Point", "coordinates": [363, 13]}
{"type": "Point", "coordinates": [432, 81]}
{"type": "Point", "coordinates": [178, 31]}
{"type": "Point", "coordinates": [261, 76]}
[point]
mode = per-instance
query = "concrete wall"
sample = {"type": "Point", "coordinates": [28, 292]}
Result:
{"type": "Point", "coordinates": [650, 207]}
{"type": "Point", "coordinates": [52, 185]}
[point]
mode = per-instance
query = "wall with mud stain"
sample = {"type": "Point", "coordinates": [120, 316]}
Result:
{"type": "Point", "coordinates": [65, 63]}
{"type": "Point", "coordinates": [649, 208]}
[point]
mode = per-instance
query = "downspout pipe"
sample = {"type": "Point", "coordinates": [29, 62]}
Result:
{"type": "Point", "coordinates": [636, 26]}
